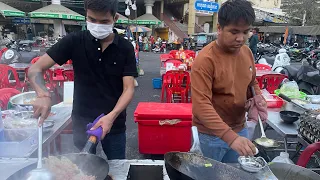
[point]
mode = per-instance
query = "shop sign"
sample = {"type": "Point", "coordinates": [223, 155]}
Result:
{"type": "Point", "coordinates": [13, 13]}
{"type": "Point", "coordinates": [140, 22]}
{"type": "Point", "coordinates": [208, 7]}
{"type": "Point", "coordinates": [146, 22]}
{"type": "Point", "coordinates": [56, 16]}
{"type": "Point", "coordinates": [21, 21]}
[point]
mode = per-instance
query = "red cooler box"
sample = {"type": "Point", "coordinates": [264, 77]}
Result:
{"type": "Point", "coordinates": [163, 127]}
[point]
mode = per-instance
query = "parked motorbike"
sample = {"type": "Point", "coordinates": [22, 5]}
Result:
{"type": "Point", "coordinates": [24, 45]}
{"type": "Point", "coordinates": [160, 49]}
{"type": "Point", "coordinates": [276, 62]}
{"type": "Point", "coordinates": [299, 54]}
{"type": "Point", "coordinates": [17, 54]}
{"type": "Point", "coordinates": [307, 76]}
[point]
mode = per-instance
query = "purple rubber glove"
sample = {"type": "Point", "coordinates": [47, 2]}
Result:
{"type": "Point", "coordinates": [90, 125]}
{"type": "Point", "coordinates": [97, 132]}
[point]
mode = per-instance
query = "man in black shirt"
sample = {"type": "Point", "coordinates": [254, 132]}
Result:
{"type": "Point", "coordinates": [104, 67]}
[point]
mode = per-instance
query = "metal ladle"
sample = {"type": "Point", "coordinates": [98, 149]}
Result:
{"type": "Point", "coordinates": [40, 173]}
{"type": "Point", "coordinates": [263, 140]}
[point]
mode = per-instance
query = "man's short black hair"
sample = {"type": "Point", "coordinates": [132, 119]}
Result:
{"type": "Point", "coordinates": [102, 6]}
{"type": "Point", "coordinates": [233, 11]}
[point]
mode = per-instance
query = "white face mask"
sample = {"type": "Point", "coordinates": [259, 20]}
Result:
{"type": "Point", "coordinates": [100, 31]}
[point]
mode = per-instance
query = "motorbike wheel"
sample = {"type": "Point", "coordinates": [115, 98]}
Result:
{"type": "Point", "coordinates": [28, 48]}
{"type": "Point", "coordinates": [299, 58]}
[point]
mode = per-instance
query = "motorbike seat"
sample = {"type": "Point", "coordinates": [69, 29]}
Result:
{"type": "Point", "coordinates": [26, 57]}
{"type": "Point", "coordinates": [270, 59]}
{"type": "Point", "coordinates": [292, 70]}
{"type": "Point", "coordinates": [313, 73]}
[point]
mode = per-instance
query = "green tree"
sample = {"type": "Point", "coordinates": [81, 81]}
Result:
{"type": "Point", "coordinates": [296, 9]}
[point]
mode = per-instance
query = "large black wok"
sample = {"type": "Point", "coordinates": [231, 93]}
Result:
{"type": "Point", "coordinates": [285, 171]}
{"type": "Point", "coordinates": [190, 166]}
{"type": "Point", "coordinates": [89, 164]}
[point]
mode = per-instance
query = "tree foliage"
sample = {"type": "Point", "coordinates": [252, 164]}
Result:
{"type": "Point", "coordinates": [296, 9]}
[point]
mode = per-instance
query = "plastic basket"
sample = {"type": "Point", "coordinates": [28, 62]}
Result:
{"type": "Point", "coordinates": [302, 94]}
{"type": "Point", "coordinates": [275, 102]}
{"type": "Point", "coordinates": [157, 83]}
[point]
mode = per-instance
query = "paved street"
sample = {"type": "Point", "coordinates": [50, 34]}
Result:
{"type": "Point", "coordinates": [149, 62]}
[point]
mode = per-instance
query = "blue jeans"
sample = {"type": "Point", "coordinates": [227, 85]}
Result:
{"type": "Point", "coordinates": [113, 145]}
{"type": "Point", "coordinates": [215, 148]}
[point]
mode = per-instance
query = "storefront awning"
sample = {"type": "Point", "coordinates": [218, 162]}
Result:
{"type": "Point", "coordinates": [299, 30]}
{"type": "Point", "coordinates": [147, 19]}
{"type": "Point", "coordinates": [122, 19]}
{"type": "Point", "coordinates": [8, 11]}
{"type": "Point", "coordinates": [55, 11]}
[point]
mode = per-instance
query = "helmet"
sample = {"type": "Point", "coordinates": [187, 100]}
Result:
{"type": "Point", "coordinates": [282, 50]}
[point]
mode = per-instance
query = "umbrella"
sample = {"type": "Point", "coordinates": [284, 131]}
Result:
{"type": "Point", "coordinates": [56, 11]}
{"type": "Point", "coordinates": [7, 10]}
{"type": "Point", "coordinates": [139, 29]}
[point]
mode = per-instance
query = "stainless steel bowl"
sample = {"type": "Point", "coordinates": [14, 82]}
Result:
{"type": "Point", "coordinates": [23, 99]}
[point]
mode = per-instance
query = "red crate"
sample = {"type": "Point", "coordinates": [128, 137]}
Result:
{"type": "Point", "coordinates": [277, 102]}
{"type": "Point", "coordinates": [155, 133]}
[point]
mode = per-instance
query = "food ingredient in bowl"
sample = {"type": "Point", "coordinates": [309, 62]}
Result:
{"type": "Point", "coordinates": [19, 123]}
{"type": "Point", "coordinates": [29, 101]}
{"type": "Point", "coordinates": [64, 169]}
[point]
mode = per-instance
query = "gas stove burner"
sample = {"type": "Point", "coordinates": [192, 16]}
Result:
{"type": "Point", "coordinates": [109, 177]}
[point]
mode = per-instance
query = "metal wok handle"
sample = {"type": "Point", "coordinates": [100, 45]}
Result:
{"type": "Point", "coordinates": [91, 143]}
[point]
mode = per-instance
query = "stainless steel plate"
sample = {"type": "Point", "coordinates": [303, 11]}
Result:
{"type": "Point", "coordinates": [252, 164]}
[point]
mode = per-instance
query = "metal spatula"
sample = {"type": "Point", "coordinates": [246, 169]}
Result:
{"type": "Point", "coordinates": [40, 173]}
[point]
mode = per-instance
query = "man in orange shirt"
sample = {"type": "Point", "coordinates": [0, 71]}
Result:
{"type": "Point", "coordinates": [222, 74]}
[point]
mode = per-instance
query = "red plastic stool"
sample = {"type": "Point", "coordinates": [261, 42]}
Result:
{"type": "Point", "coordinates": [5, 95]}
{"type": "Point", "coordinates": [271, 82]}
{"type": "Point", "coordinates": [307, 153]}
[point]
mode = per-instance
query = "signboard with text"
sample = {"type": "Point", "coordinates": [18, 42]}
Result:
{"type": "Point", "coordinates": [21, 21]}
{"type": "Point", "coordinates": [206, 7]}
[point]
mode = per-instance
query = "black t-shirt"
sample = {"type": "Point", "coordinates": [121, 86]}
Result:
{"type": "Point", "coordinates": [98, 75]}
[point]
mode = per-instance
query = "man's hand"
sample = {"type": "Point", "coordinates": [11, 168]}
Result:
{"type": "Point", "coordinates": [106, 123]}
{"type": "Point", "coordinates": [42, 108]}
{"type": "Point", "coordinates": [243, 146]}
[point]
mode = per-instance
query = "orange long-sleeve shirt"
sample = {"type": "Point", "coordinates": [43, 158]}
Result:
{"type": "Point", "coordinates": [219, 85]}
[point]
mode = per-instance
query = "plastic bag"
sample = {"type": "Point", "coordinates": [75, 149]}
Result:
{"type": "Point", "coordinates": [283, 158]}
{"type": "Point", "coordinates": [290, 89]}
{"type": "Point", "coordinates": [196, 142]}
